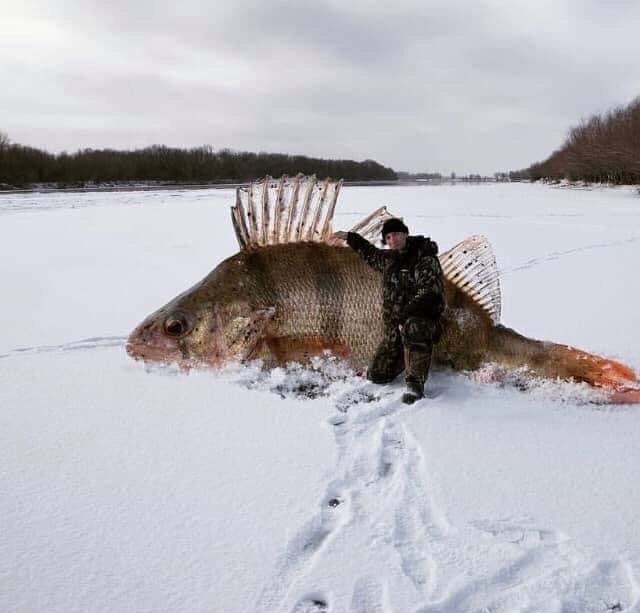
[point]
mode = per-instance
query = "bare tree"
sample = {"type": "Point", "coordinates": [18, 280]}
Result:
{"type": "Point", "coordinates": [4, 140]}
{"type": "Point", "coordinates": [602, 148]}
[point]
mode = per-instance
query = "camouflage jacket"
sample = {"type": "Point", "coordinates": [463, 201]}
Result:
{"type": "Point", "coordinates": [412, 279]}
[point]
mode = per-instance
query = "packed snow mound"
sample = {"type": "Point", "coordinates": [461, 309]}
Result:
{"type": "Point", "coordinates": [323, 377]}
{"type": "Point", "coordinates": [537, 388]}
{"type": "Point", "coordinates": [331, 378]}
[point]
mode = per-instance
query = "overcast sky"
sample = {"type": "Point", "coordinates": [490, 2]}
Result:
{"type": "Point", "coordinates": [417, 85]}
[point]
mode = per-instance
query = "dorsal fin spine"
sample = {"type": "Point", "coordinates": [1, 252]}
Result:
{"type": "Point", "coordinates": [326, 230]}
{"type": "Point", "coordinates": [275, 235]}
{"type": "Point", "coordinates": [313, 229]}
{"type": "Point", "coordinates": [264, 229]}
{"type": "Point", "coordinates": [236, 226]}
{"type": "Point", "coordinates": [293, 208]}
{"type": "Point", "coordinates": [239, 216]}
{"type": "Point", "coordinates": [305, 208]}
{"type": "Point", "coordinates": [252, 218]}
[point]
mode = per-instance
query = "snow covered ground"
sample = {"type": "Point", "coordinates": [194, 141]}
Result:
{"type": "Point", "coordinates": [133, 489]}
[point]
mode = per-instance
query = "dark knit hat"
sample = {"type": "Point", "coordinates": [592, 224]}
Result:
{"type": "Point", "coordinates": [393, 225]}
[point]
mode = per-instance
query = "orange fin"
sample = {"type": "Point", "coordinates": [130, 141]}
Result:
{"type": "Point", "coordinates": [620, 381]}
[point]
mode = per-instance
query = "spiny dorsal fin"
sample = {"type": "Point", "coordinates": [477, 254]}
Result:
{"type": "Point", "coordinates": [471, 266]}
{"type": "Point", "coordinates": [289, 211]}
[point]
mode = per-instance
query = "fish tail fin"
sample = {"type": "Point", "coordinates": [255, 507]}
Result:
{"type": "Point", "coordinates": [619, 382]}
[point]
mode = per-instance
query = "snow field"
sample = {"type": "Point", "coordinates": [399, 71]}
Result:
{"type": "Point", "coordinates": [308, 489]}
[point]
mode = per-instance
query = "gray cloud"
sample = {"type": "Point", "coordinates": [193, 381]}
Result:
{"type": "Point", "coordinates": [470, 87]}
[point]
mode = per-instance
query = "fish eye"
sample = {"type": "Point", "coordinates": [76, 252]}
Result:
{"type": "Point", "coordinates": [176, 325]}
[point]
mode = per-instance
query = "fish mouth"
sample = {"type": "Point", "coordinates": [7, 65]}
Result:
{"type": "Point", "coordinates": [148, 353]}
{"type": "Point", "coordinates": [148, 343]}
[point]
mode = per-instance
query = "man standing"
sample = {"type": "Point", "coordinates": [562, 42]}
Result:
{"type": "Point", "coordinates": [413, 302]}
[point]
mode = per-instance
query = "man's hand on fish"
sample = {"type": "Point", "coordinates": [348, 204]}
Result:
{"type": "Point", "coordinates": [337, 238]}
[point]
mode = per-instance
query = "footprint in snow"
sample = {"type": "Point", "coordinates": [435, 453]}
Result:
{"type": "Point", "coordinates": [312, 603]}
{"type": "Point", "coordinates": [608, 586]}
{"type": "Point", "coordinates": [506, 531]}
{"type": "Point", "coordinates": [354, 397]}
{"type": "Point", "coordinates": [301, 551]}
{"type": "Point", "coordinates": [391, 451]}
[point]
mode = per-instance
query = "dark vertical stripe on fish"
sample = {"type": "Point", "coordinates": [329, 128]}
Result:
{"type": "Point", "coordinates": [329, 290]}
{"type": "Point", "coordinates": [266, 291]}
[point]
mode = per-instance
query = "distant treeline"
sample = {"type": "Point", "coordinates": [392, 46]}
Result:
{"type": "Point", "coordinates": [22, 166]}
{"type": "Point", "coordinates": [419, 176]}
{"type": "Point", "coordinates": [513, 175]}
{"type": "Point", "coordinates": [603, 149]}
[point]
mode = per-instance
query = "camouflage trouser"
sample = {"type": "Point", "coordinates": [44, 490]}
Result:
{"type": "Point", "coordinates": [409, 350]}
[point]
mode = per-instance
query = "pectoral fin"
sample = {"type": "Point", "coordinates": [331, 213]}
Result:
{"type": "Point", "coordinates": [247, 334]}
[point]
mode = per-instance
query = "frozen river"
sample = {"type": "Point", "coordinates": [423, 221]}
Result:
{"type": "Point", "coordinates": [127, 488]}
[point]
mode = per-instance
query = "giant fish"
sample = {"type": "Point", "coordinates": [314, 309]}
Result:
{"type": "Point", "coordinates": [292, 293]}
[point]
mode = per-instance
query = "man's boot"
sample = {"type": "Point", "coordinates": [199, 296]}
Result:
{"type": "Point", "coordinates": [417, 363]}
{"type": "Point", "coordinates": [415, 391]}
